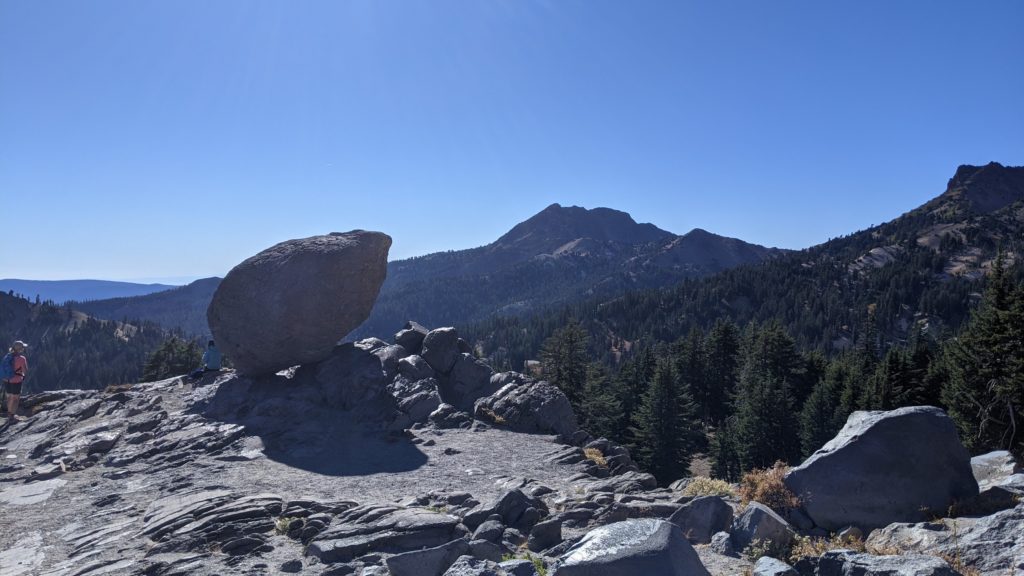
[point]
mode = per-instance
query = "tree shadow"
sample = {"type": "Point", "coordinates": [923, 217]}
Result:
{"type": "Point", "coordinates": [297, 427]}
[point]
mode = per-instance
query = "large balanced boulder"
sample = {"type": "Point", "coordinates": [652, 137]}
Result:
{"type": "Point", "coordinates": [630, 548]}
{"type": "Point", "coordinates": [898, 466]}
{"type": "Point", "coordinates": [291, 303]}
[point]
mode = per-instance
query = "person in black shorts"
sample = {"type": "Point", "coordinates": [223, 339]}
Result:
{"type": "Point", "coordinates": [15, 369]}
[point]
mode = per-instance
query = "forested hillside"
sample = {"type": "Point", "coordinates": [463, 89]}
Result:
{"type": "Point", "coordinates": [922, 269]}
{"type": "Point", "coordinates": [748, 397]}
{"type": "Point", "coordinates": [182, 308]}
{"type": "Point", "coordinates": [68, 349]}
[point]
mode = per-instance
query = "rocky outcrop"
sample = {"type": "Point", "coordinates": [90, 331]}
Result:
{"type": "Point", "coordinates": [632, 547]}
{"type": "Point", "coordinates": [528, 406]}
{"type": "Point", "coordinates": [759, 525]}
{"type": "Point", "coordinates": [702, 518]}
{"type": "Point", "coordinates": [884, 467]}
{"type": "Point", "coordinates": [993, 544]}
{"type": "Point", "coordinates": [291, 303]}
{"type": "Point", "coordinates": [849, 563]}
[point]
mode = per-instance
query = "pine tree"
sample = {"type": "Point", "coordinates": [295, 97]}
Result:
{"type": "Point", "coordinates": [725, 458]}
{"type": "Point", "coordinates": [691, 365]}
{"type": "Point", "coordinates": [565, 360]}
{"type": "Point", "coordinates": [722, 368]}
{"type": "Point", "coordinates": [985, 390]}
{"type": "Point", "coordinates": [817, 418]}
{"type": "Point", "coordinates": [665, 426]}
{"type": "Point", "coordinates": [175, 356]}
{"type": "Point", "coordinates": [601, 409]}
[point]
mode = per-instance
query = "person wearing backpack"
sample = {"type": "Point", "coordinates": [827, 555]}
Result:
{"type": "Point", "coordinates": [14, 367]}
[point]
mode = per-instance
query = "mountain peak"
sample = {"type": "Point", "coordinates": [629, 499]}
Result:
{"type": "Point", "coordinates": [556, 225]}
{"type": "Point", "coordinates": [986, 188]}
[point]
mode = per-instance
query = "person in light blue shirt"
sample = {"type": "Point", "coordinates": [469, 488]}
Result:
{"type": "Point", "coordinates": [211, 361]}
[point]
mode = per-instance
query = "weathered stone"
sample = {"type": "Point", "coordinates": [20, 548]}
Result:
{"type": "Point", "coordinates": [519, 568]}
{"type": "Point", "coordinates": [448, 416]}
{"type": "Point", "coordinates": [490, 530]}
{"type": "Point", "coordinates": [702, 517]}
{"type": "Point", "coordinates": [994, 467]}
{"type": "Point", "coordinates": [468, 380]}
{"type": "Point", "coordinates": [350, 378]}
{"type": "Point", "coordinates": [383, 530]}
{"type": "Point", "coordinates": [291, 303]}
{"type": "Point", "coordinates": [485, 550]}
{"type": "Point", "coordinates": [544, 535]}
{"type": "Point", "coordinates": [849, 563]}
{"type": "Point", "coordinates": [415, 368]}
{"type": "Point", "coordinates": [759, 523]}
{"type": "Point", "coordinates": [533, 407]}
{"type": "Point", "coordinates": [992, 544]}
{"type": "Point", "coordinates": [427, 562]}
{"type": "Point", "coordinates": [768, 566]}
{"type": "Point", "coordinates": [721, 543]}
{"type": "Point", "coordinates": [469, 566]}
{"type": "Point", "coordinates": [411, 337]}
{"type": "Point", "coordinates": [884, 467]}
{"type": "Point", "coordinates": [514, 507]}
{"type": "Point", "coordinates": [631, 548]}
{"type": "Point", "coordinates": [441, 349]}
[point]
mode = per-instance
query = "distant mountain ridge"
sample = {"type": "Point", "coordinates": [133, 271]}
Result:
{"type": "Point", "coordinates": [560, 255]}
{"type": "Point", "coordinates": [182, 307]}
{"type": "Point", "coordinates": [60, 291]}
{"type": "Point", "coordinates": [921, 269]}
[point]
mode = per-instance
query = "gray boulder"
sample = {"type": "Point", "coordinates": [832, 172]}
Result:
{"type": "Point", "coordinates": [441, 349]}
{"type": "Point", "coordinates": [849, 563]}
{"type": "Point", "coordinates": [291, 303]}
{"type": "Point", "coordinates": [532, 407]}
{"type": "Point", "coordinates": [631, 548]}
{"type": "Point", "coordinates": [545, 535]}
{"type": "Point", "coordinates": [993, 544]}
{"type": "Point", "coordinates": [768, 566]}
{"type": "Point", "coordinates": [885, 467]}
{"type": "Point", "coordinates": [469, 566]}
{"type": "Point", "coordinates": [427, 562]}
{"type": "Point", "coordinates": [415, 368]}
{"type": "Point", "coordinates": [760, 523]}
{"type": "Point", "coordinates": [411, 337]}
{"type": "Point", "coordinates": [515, 509]}
{"type": "Point", "coordinates": [721, 543]}
{"type": "Point", "coordinates": [702, 517]}
{"type": "Point", "coordinates": [468, 379]}
{"type": "Point", "coordinates": [519, 568]}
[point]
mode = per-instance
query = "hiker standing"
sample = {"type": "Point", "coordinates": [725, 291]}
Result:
{"type": "Point", "coordinates": [14, 367]}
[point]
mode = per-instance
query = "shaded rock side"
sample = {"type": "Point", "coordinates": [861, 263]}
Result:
{"type": "Point", "coordinates": [630, 548]}
{"type": "Point", "coordinates": [883, 467]}
{"type": "Point", "coordinates": [291, 303]}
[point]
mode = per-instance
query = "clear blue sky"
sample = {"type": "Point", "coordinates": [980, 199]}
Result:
{"type": "Point", "coordinates": [144, 139]}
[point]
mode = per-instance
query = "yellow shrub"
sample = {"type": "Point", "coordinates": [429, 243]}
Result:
{"type": "Point", "coordinates": [704, 486]}
{"type": "Point", "coordinates": [766, 486]}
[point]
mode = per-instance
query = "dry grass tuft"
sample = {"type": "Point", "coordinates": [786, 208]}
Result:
{"type": "Point", "coordinates": [115, 388]}
{"type": "Point", "coordinates": [595, 456]}
{"type": "Point", "coordinates": [766, 486]}
{"type": "Point", "coordinates": [810, 547]}
{"type": "Point", "coordinates": [494, 417]}
{"type": "Point", "coordinates": [704, 486]}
